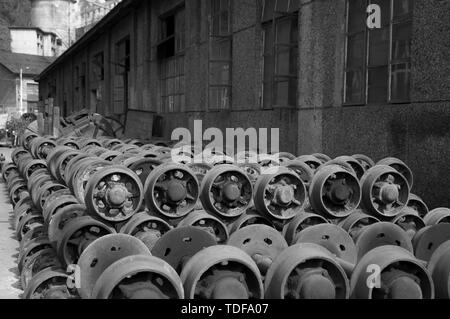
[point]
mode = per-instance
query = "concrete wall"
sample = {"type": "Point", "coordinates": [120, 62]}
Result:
{"type": "Point", "coordinates": [417, 133]}
{"type": "Point", "coordinates": [24, 41]}
{"type": "Point", "coordinates": [52, 16]}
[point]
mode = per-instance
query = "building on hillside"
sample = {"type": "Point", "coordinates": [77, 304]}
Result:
{"type": "Point", "coordinates": [311, 68]}
{"type": "Point", "coordinates": [19, 93]}
{"type": "Point", "coordinates": [34, 41]}
{"type": "Point", "coordinates": [90, 12]}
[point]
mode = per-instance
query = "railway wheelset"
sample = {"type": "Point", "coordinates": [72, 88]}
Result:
{"type": "Point", "coordinates": [120, 219]}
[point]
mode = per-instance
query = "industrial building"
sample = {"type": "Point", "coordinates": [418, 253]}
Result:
{"type": "Point", "coordinates": [17, 73]}
{"type": "Point", "coordinates": [311, 68]}
{"type": "Point", "coordinates": [34, 41]}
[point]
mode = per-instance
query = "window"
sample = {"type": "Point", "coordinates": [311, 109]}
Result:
{"type": "Point", "coordinates": [220, 55]}
{"type": "Point", "coordinates": [123, 56]}
{"type": "Point", "coordinates": [98, 67]}
{"type": "Point", "coordinates": [171, 61]}
{"type": "Point", "coordinates": [77, 85]}
{"type": "Point", "coordinates": [121, 80]}
{"type": "Point", "coordinates": [378, 60]}
{"type": "Point", "coordinates": [280, 23]}
{"type": "Point", "coordinates": [83, 84]}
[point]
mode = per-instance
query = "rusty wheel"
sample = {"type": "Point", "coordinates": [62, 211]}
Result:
{"type": "Point", "coordinates": [312, 161]}
{"type": "Point", "coordinates": [355, 164]}
{"type": "Point", "coordinates": [114, 193]}
{"type": "Point", "coordinates": [45, 258]}
{"type": "Point", "coordinates": [301, 222]}
{"type": "Point", "coordinates": [261, 242]}
{"type": "Point", "coordinates": [439, 268]}
{"type": "Point", "coordinates": [144, 166]}
{"type": "Point", "coordinates": [180, 244]}
{"type": "Point", "coordinates": [356, 222]}
{"type": "Point", "coordinates": [409, 221]}
{"type": "Point", "coordinates": [85, 175]}
{"type": "Point", "coordinates": [280, 196]}
{"type": "Point", "coordinates": [385, 191]}
{"type": "Point", "coordinates": [76, 235]}
{"type": "Point", "coordinates": [416, 203]}
{"type": "Point", "coordinates": [207, 222]}
{"type": "Point", "coordinates": [60, 218]}
{"type": "Point", "coordinates": [306, 271]}
{"type": "Point", "coordinates": [250, 217]}
{"type": "Point", "coordinates": [51, 283]}
{"type": "Point", "coordinates": [334, 192]}
{"type": "Point", "coordinates": [305, 172]}
{"type": "Point", "coordinates": [139, 277]}
{"type": "Point", "coordinates": [149, 229]}
{"type": "Point", "coordinates": [171, 190]}
{"type": "Point", "coordinates": [402, 276]}
{"type": "Point", "coordinates": [428, 239]}
{"type": "Point", "coordinates": [102, 253]}
{"type": "Point", "coordinates": [365, 161]}
{"type": "Point", "coordinates": [437, 216]}
{"type": "Point", "coordinates": [382, 234]}
{"type": "Point", "coordinates": [222, 272]}
{"type": "Point", "coordinates": [400, 167]}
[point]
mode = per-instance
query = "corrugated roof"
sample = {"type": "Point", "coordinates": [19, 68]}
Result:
{"type": "Point", "coordinates": [31, 65]}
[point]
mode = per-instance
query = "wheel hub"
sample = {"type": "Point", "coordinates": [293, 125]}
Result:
{"type": "Point", "coordinates": [142, 290]}
{"type": "Point", "coordinates": [316, 286]}
{"type": "Point", "coordinates": [231, 191]}
{"type": "Point", "coordinates": [176, 191]}
{"type": "Point", "coordinates": [117, 195]}
{"type": "Point", "coordinates": [397, 284]}
{"type": "Point", "coordinates": [312, 283]}
{"type": "Point", "coordinates": [284, 195]}
{"type": "Point", "coordinates": [230, 288]}
{"type": "Point", "coordinates": [340, 192]}
{"type": "Point", "coordinates": [389, 193]}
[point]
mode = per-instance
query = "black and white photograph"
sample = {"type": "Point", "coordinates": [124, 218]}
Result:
{"type": "Point", "coordinates": [235, 150]}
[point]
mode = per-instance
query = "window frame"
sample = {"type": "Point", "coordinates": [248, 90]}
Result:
{"type": "Point", "coordinates": [217, 39]}
{"type": "Point", "coordinates": [164, 63]}
{"type": "Point", "coordinates": [271, 25]}
{"type": "Point", "coordinates": [390, 61]}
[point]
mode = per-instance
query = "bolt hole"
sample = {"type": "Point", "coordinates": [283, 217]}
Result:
{"type": "Point", "coordinates": [325, 237]}
{"type": "Point", "coordinates": [398, 243]}
{"type": "Point", "coordinates": [381, 235]}
{"type": "Point", "coordinates": [342, 247]}
{"type": "Point", "coordinates": [167, 252]}
{"type": "Point", "coordinates": [94, 263]}
{"type": "Point", "coordinates": [430, 245]}
{"type": "Point", "coordinates": [187, 239]}
{"type": "Point", "coordinates": [247, 241]}
{"type": "Point", "coordinates": [160, 281]}
{"type": "Point", "coordinates": [115, 248]}
{"type": "Point", "coordinates": [268, 241]}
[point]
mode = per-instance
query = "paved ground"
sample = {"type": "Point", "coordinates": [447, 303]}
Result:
{"type": "Point", "coordinates": [9, 246]}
